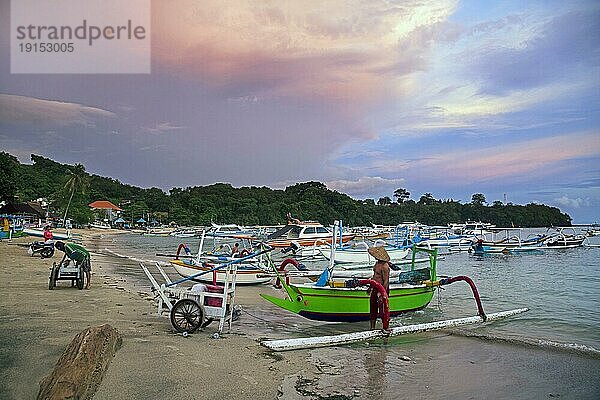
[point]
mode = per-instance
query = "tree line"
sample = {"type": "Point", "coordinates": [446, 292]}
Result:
{"type": "Point", "coordinates": [69, 189]}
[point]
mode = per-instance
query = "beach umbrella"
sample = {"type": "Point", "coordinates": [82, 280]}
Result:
{"type": "Point", "coordinates": [119, 221]}
{"type": "Point", "coordinates": [141, 221]}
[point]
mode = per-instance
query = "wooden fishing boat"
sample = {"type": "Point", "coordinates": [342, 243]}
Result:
{"type": "Point", "coordinates": [187, 265]}
{"type": "Point", "coordinates": [507, 240]}
{"type": "Point", "coordinates": [184, 233]}
{"type": "Point", "coordinates": [248, 273]}
{"type": "Point", "coordinates": [360, 255]}
{"type": "Point", "coordinates": [338, 301]}
{"type": "Point", "coordinates": [564, 238]}
{"type": "Point", "coordinates": [327, 300]}
{"type": "Point", "coordinates": [440, 236]}
{"type": "Point", "coordinates": [40, 233]}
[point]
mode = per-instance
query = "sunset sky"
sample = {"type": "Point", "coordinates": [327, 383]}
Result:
{"type": "Point", "coordinates": [447, 97]}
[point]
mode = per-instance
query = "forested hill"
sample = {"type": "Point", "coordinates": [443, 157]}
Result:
{"type": "Point", "coordinates": [222, 203]}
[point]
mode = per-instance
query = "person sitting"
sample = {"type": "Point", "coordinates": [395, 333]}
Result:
{"type": "Point", "coordinates": [235, 251]}
{"type": "Point", "coordinates": [80, 256]}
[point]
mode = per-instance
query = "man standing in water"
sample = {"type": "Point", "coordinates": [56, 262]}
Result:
{"type": "Point", "coordinates": [381, 274]}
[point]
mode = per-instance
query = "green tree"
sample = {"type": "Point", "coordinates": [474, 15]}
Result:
{"type": "Point", "coordinates": [427, 199]}
{"type": "Point", "coordinates": [222, 203]}
{"type": "Point", "coordinates": [77, 181]}
{"type": "Point", "coordinates": [384, 201]}
{"type": "Point", "coordinates": [9, 166]}
{"type": "Point", "coordinates": [401, 195]}
{"type": "Point", "coordinates": [478, 198]}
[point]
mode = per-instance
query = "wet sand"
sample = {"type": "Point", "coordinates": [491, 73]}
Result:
{"type": "Point", "coordinates": [155, 363]}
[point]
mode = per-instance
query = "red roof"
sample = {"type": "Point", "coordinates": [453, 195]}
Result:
{"type": "Point", "coordinates": [104, 205]}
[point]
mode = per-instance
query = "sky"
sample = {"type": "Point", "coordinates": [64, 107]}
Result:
{"type": "Point", "coordinates": [444, 97]}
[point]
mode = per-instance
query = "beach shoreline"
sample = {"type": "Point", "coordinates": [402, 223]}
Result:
{"type": "Point", "coordinates": [156, 363]}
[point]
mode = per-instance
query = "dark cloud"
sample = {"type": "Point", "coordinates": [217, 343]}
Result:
{"type": "Point", "coordinates": [567, 42]}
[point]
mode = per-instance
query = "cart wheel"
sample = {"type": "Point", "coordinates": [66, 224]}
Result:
{"type": "Point", "coordinates": [187, 316]}
{"type": "Point", "coordinates": [80, 278]}
{"type": "Point", "coordinates": [52, 279]}
{"type": "Point", "coordinates": [47, 252]}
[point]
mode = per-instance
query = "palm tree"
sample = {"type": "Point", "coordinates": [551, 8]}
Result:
{"type": "Point", "coordinates": [77, 181]}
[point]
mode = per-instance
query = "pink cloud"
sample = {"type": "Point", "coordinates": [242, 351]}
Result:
{"type": "Point", "coordinates": [348, 53]}
{"type": "Point", "coordinates": [526, 159]}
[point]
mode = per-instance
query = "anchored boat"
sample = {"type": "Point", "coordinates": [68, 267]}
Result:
{"type": "Point", "coordinates": [335, 300]}
{"type": "Point", "coordinates": [342, 301]}
{"type": "Point", "coordinates": [304, 234]}
{"type": "Point", "coordinates": [187, 265]}
{"type": "Point", "coordinates": [564, 238]}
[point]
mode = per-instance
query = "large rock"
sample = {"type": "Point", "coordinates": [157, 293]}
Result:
{"type": "Point", "coordinates": [80, 369]}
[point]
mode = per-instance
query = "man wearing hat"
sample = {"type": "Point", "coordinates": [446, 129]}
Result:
{"type": "Point", "coordinates": [381, 274]}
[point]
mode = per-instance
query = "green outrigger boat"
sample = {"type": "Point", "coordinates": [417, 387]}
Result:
{"type": "Point", "coordinates": [343, 301]}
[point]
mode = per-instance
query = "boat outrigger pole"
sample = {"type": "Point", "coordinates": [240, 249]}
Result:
{"type": "Point", "coordinates": [347, 338]}
{"type": "Point", "coordinates": [221, 266]}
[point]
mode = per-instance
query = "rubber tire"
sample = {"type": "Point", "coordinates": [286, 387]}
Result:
{"type": "Point", "coordinates": [52, 277]}
{"type": "Point", "coordinates": [81, 279]}
{"type": "Point", "coordinates": [187, 316]}
{"type": "Point", "coordinates": [47, 252]}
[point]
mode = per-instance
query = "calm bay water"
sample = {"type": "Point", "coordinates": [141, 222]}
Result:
{"type": "Point", "coordinates": [560, 287]}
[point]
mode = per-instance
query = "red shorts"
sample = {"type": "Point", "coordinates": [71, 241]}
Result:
{"type": "Point", "coordinates": [376, 305]}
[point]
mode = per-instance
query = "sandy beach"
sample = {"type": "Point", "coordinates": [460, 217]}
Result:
{"type": "Point", "coordinates": [155, 363]}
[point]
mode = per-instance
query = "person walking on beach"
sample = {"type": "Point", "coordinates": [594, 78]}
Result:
{"type": "Point", "coordinates": [381, 274]}
{"type": "Point", "coordinates": [81, 257]}
{"type": "Point", "coordinates": [48, 233]}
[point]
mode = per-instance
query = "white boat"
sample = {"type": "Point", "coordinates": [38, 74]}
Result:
{"type": "Point", "coordinates": [249, 271]}
{"type": "Point", "coordinates": [443, 236]}
{"type": "Point", "coordinates": [99, 225]}
{"type": "Point", "coordinates": [564, 238]}
{"type": "Point", "coordinates": [592, 230]}
{"type": "Point", "coordinates": [360, 254]}
{"type": "Point", "coordinates": [477, 228]}
{"type": "Point", "coordinates": [160, 231]}
{"type": "Point", "coordinates": [507, 240]}
{"type": "Point", "coordinates": [228, 230]}
{"type": "Point", "coordinates": [40, 233]}
{"type": "Point", "coordinates": [304, 234]}
{"type": "Point", "coordinates": [184, 233]}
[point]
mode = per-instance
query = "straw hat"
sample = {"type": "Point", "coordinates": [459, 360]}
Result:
{"type": "Point", "coordinates": [379, 253]}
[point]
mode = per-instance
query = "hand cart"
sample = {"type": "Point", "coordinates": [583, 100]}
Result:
{"type": "Point", "coordinates": [66, 270]}
{"type": "Point", "coordinates": [191, 308]}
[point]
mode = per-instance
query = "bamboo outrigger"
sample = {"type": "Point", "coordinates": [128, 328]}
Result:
{"type": "Point", "coordinates": [347, 338]}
